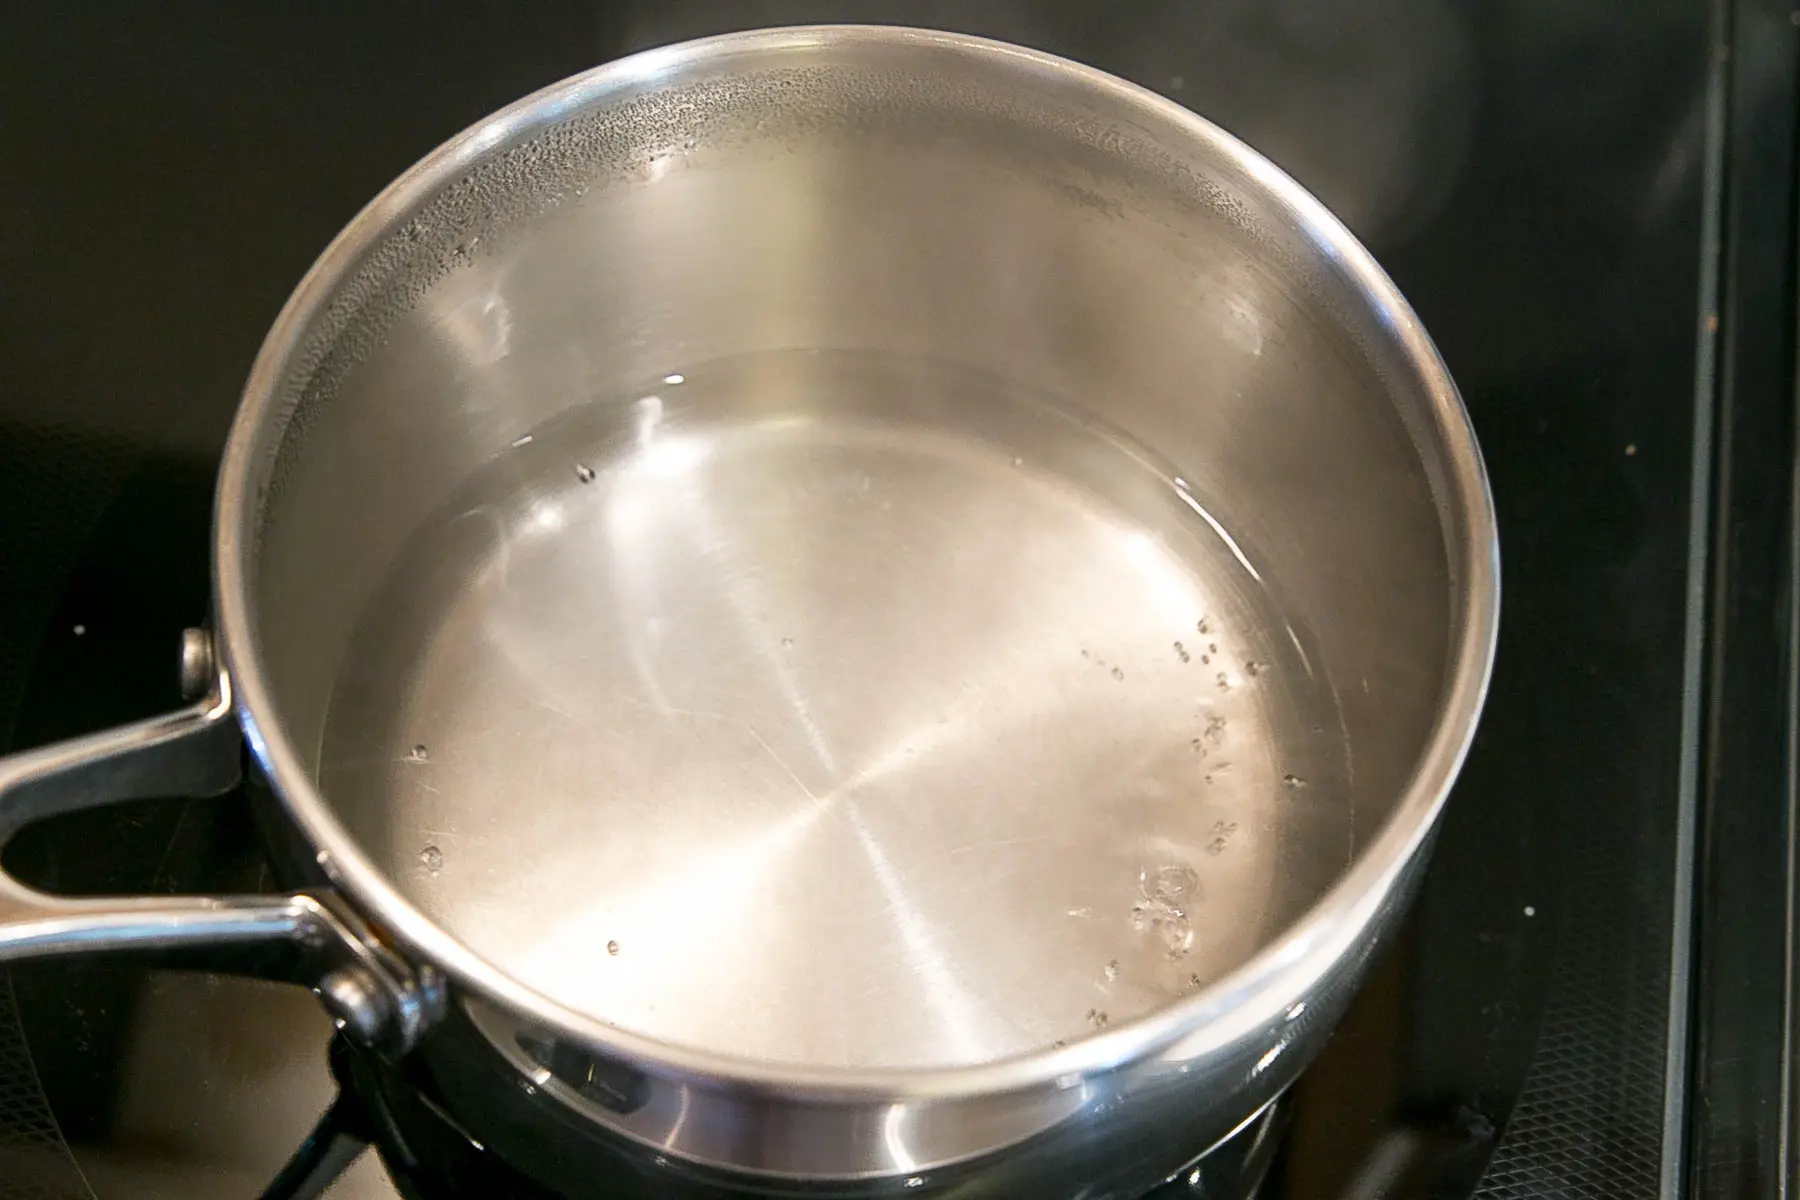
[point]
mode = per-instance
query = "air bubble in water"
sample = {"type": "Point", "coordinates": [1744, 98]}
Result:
{"type": "Point", "coordinates": [1017, 461]}
{"type": "Point", "coordinates": [584, 472]}
{"type": "Point", "coordinates": [1224, 682]}
{"type": "Point", "coordinates": [787, 643]}
{"type": "Point", "coordinates": [1097, 1018]}
{"type": "Point", "coordinates": [432, 859]}
{"type": "Point", "coordinates": [1181, 653]}
{"type": "Point", "coordinates": [1112, 970]}
{"type": "Point", "coordinates": [612, 948]}
{"type": "Point", "coordinates": [1118, 672]}
{"type": "Point", "coordinates": [418, 754]}
{"type": "Point", "coordinates": [1167, 893]}
{"type": "Point", "coordinates": [1174, 885]}
{"type": "Point", "coordinates": [1293, 782]}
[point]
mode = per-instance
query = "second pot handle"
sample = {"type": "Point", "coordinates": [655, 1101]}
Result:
{"type": "Point", "coordinates": [374, 995]}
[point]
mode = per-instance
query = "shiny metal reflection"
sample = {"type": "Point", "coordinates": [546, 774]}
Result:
{"type": "Point", "coordinates": [919, 571]}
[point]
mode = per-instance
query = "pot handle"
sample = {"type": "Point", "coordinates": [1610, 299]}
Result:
{"type": "Point", "coordinates": [314, 939]}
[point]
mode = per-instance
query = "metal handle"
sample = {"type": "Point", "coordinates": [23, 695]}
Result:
{"type": "Point", "coordinates": [375, 996]}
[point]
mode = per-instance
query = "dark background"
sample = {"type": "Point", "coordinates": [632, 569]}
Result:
{"type": "Point", "coordinates": [1551, 185]}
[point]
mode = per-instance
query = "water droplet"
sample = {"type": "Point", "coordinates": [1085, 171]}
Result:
{"type": "Point", "coordinates": [1216, 846]}
{"type": "Point", "coordinates": [1203, 627]}
{"type": "Point", "coordinates": [673, 380]}
{"type": "Point", "coordinates": [1118, 672]}
{"type": "Point", "coordinates": [1224, 682]}
{"type": "Point", "coordinates": [1112, 970]}
{"type": "Point", "coordinates": [787, 643]}
{"type": "Point", "coordinates": [1058, 1044]}
{"type": "Point", "coordinates": [1097, 1018]}
{"type": "Point", "coordinates": [1215, 728]}
{"type": "Point", "coordinates": [80, 630]}
{"type": "Point", "coordinates": [1293, 782]}
{"type": "Point", "coordinates": [418, 754]}
{"type": "Point", "coordinates": [1018, 461]}
{"type": "Point", "coordinates": [1530, 911]}
{"type": "Point", "coordinates": [584, 472]}
{"type": "Point", "coordinates": [1224, 828]}
{"type": "Point", "coordinates": [432, 859]}
{"type": "Point", "coordinates": [1252, 667]}
{"type": "Point", "coordinates": [612, 948]}
{"type": "Point", "coordinates": [1181, 652]}
{"type": "Point", "coordinates": [1212, 647]}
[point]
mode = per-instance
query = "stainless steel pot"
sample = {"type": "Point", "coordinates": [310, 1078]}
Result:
{"type": "Point", "coordinates": [844, 605]}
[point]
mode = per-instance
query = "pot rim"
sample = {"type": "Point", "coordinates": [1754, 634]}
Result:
{"type": "Point", "coordinates": [1260, 994]}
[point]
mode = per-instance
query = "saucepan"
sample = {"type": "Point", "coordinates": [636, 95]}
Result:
{"type": "Point", "coordinates": [846, 610]}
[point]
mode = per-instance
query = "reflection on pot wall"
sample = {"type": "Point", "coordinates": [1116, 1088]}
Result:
{"type": "Point", "coordinates": [1369, 103]}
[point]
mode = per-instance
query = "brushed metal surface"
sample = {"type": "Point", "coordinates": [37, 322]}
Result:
{"type": "Point", "coordinates": [823, 709]}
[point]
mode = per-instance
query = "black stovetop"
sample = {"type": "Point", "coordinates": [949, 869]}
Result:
{"type": "Point", "coordinates": [1590, 205]}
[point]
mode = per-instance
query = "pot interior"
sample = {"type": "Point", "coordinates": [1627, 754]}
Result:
{"type": "Point", "coordinates": [854, 551]}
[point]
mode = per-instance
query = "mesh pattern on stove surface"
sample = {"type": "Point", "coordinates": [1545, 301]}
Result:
{"type": "Point", "coordinates": [1589, 1122]}
{"type": "Point", "coordinates": [35, 1164]}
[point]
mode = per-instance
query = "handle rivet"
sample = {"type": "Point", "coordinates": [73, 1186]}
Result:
{"type": "Point", "coordinates": [196, 663]}
{"type": "Point", "coordinates": [356, 1003]}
